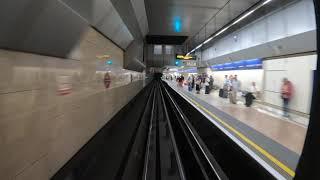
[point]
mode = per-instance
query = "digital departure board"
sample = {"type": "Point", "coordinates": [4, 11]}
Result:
{"type": "Point", "coordinates": [184, 57]}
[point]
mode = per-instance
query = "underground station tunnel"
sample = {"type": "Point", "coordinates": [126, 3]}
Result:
{"type": "Point", "coordinates": [159, 89]}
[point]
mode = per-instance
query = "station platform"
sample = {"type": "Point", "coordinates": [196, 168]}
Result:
{"type": "Point", "coordinates": [167, 132]}
{"type": "Point", "coordinates": [263, 132]}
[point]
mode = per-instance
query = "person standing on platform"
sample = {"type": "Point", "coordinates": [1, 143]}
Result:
{"type": "Point", "coordinates": [235, 87]}
{"type": "Point", "coordinates": [198, 85]}
{"type": "Point", "coordinates": [193, 81]}
{"type": "Point", "coordinates": [226, 81]}
{"type": "Point", "coordinates": [179, 80]}
{"type": "Point", "coordinates": [254, 89]}
{"type": "Point", "coordinates": [223, 92]}
{"type": "Point", "coordinates": [252, 94]}
{"type": "Point", "coordinates": [207, 85]}
{"type": "Point", "coordinates": [229, 86]}
{"type": "Point", "coordinates": [211, 82]}
{"type": "Point", "coordinates": [182, 80]}
{"type": "Point", "coordinates": [189, 81]}
{"type": "Point", "coordinates": [286, 95]}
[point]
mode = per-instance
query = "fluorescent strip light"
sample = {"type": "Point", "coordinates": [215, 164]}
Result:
{"type": "Point", "coordinates": [205, 42]}
{"type": "Point", "coordinates": [240, 19]}
{"type": "Point", "coordinates": [199, 46]}
{"type": "Point", "coordinates": [223, 30]}
{"type": "Point", "coordinates": [266, 2]}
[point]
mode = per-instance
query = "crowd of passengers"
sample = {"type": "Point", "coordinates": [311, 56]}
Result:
{"type": "Point", "coordinates": [231, 87]}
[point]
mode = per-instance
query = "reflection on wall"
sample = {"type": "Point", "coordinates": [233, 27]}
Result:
{"type": "Point", "coordinates": [119, 77]}
{"type": "Point", "coordinates": [50, 107]}
{"type": "Point", "coordinates": [64, 84]}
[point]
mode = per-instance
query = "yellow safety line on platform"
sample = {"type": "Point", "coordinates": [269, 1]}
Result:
{"type": "Point", "coordinates": [247, 140]}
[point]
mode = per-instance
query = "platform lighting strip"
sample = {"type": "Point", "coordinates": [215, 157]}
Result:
{"type": "Point", "coordinates": [226, 28]}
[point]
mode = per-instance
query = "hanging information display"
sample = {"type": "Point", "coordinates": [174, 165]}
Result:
{"type": "Point", "coordinates": [185, 57]}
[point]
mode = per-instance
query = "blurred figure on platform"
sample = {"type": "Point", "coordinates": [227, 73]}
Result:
{"type": "Point", "coordinates": [193, 81]}
{"type": "Point", "coordinates": [207, 85]}
{"type": "Point", "coordinates": [286, 95]}
{"type": "Point", "coordinates": [211, 82]}
{"type": "Point", "coordinates": [235, 87]}
{"type": "Point", "coordinates": [252, 94]}
{"type": "Point", "coordinates": [180, 81]}
{"type": "Point", "coordinates": [198, 84]}
{"type": "Point", "coordinates": [254, 89]}
{"type": "Point", "coordinates": [189, 81]}
{"type": "Point", "coordinates": [225, 82]}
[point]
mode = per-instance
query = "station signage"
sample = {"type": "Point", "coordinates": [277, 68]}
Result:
{"type": "Point", "coordinates": [189, 70]}
{"type": "Point", "coordinates": [185, 57]}
{"type": "Point", "coordinates": [189, 63]}
{"type": "Point", "coordinates": [239, 65]}
{"type": "Point", "coordinates": [104, 56]}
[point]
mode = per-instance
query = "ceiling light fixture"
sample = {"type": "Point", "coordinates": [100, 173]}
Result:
{"type": "Point", "coordinates": [206, 41]}
{"type": "Point", "coordinates": [244, 16]}
{"type": "Point", "coordinates": [266, 2]}
{"type": "Point", "coordinates": [226, 28]}
{"type": "Point", "coordinates": [220, 32]}
{"type": "Point", "coordinates": [199, 46]}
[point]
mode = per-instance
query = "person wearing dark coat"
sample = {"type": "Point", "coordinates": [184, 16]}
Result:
{"type": "Point", "coordinates": [249, 99]}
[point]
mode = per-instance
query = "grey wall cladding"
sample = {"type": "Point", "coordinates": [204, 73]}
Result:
{"type": "Point", "coordinates": [39, 26]}
{"type": "Point", "coordinates": [102, 15]}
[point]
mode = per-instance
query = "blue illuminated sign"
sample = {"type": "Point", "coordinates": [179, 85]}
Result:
{"type": "Point", "coordinates": [177, 24]}
{"type": "Point", "coordinates": [177, 63]}
{"type": "Point", "coordinates": [190, 70]}
{"type": "Point", "coordinates": [109, 62]}
{"type": "Point", "coordinates": [239, 65]}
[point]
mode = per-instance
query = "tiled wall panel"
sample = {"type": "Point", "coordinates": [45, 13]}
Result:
{"type": "Point", "coordinates": [40, 129]}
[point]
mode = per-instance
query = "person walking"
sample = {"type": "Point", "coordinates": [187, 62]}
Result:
{"type": "Point", "coordinates": [286, 95]}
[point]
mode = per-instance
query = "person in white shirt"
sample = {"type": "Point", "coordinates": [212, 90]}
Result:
{"type": "Point", "coordinates": [235, 87]}
{"type": "Point", "coordinates": [252, 94]}
{"type": "Point", "coordinates": [254, 89]}
{"type": "Point", "coordinates": [225, 82]}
